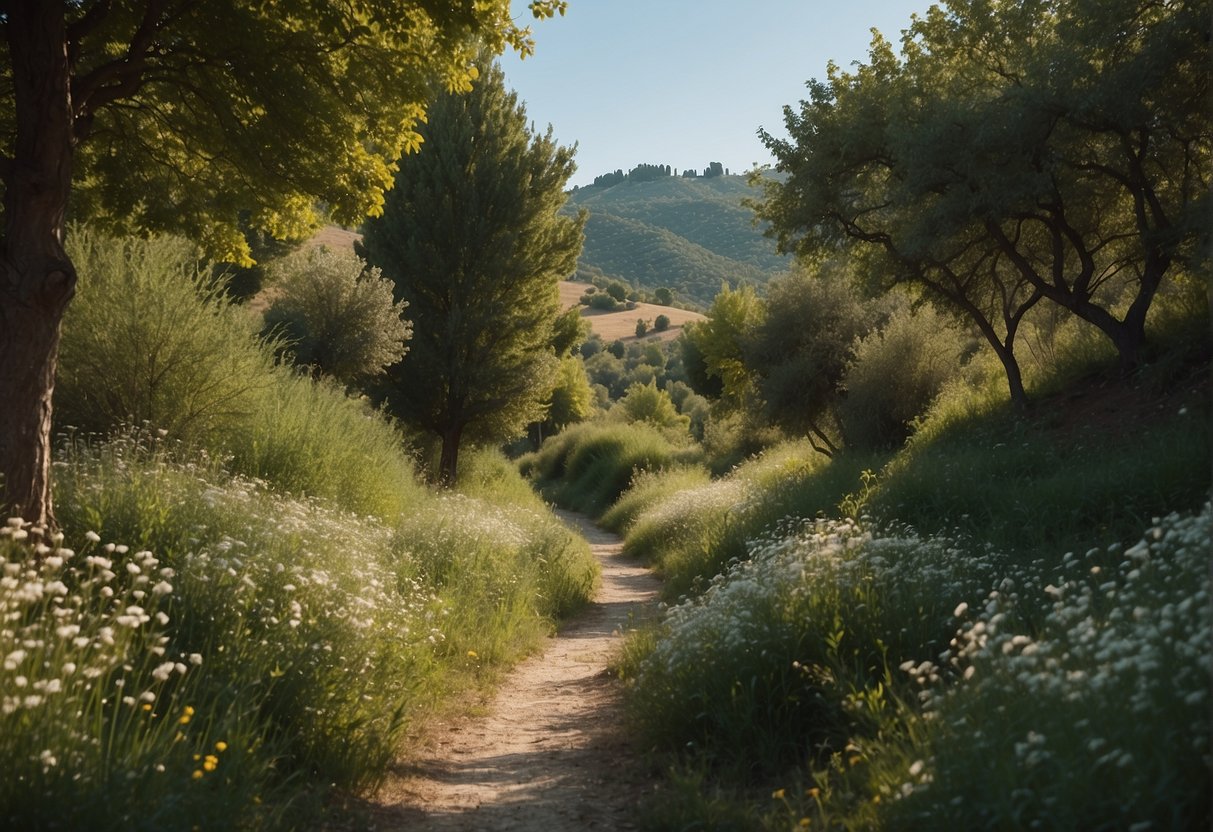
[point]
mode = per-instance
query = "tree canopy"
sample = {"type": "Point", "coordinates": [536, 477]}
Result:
{"type": "Point", "coordinates": [1015, 153]}
{"type": "Point", "coordinates": [180, 116]}
{"type": "Point", "coordinates": [471, 237]}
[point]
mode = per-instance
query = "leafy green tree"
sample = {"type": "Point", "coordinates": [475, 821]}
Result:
{"type": "Point", "coordinates": [642, 327]}
{"type": "Point", "coordinates": [798, 350]}
{"type": "Point", "coordinates": [571, 400]}
{"type": "Point", "coordinates": [337, 315]}
{"type": "Point", "coordinates": [661, 323]}
{"type": "Point", "coordinates": [174, 115]}
{"type": "Point", "coordinates": [472, 239]}
{"type": "Point", "coordinates": [617, 348]}
{"type": "Point", "coordinates": [1015, 153]}
{"type": "Point", "coordinates": [718, 342]}
{"type": "Point", "coordinates": [663, 296]}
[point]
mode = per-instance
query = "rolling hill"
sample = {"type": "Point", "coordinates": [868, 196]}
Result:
{"type": "Point", "coordinates": [690, 234]}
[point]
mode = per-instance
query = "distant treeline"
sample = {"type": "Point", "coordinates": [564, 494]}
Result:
{"type": "Point", "coordinates": [650, 173]}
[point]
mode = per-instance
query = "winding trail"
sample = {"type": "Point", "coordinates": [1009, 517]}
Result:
{"type": "Point", "coordinates": [550, 755]}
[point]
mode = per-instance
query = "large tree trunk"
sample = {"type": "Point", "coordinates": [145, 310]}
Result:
{"type": "Point", "coordinates": [37, 279]}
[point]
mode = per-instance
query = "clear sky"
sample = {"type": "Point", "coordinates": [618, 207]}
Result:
{"type": "Point", "coordinates": [685, 82]}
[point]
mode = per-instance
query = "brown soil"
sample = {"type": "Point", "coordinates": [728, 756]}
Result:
{"type": "Point", "coordinates": [551, 755]}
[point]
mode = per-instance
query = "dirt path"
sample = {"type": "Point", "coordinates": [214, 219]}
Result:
{"type": "Point", "coordinates": [549, 755]}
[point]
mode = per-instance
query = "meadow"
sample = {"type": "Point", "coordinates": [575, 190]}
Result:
{"type": "Point", "coordinates": [1003, 624]}
{"type": "Point", "coordinates": [247, 610]}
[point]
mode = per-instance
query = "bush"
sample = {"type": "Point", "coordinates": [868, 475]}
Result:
{"type": "Point", "coordinates": [602, 301]}
{"type": "Point", "coordinates": [336, 315]}
{"type": "Point", "coordinates": [642, 327]}
{"type": "Point", "coordinates": [646, 403]}
{"type": "Point", "coordinates": [661, 323]}
{"type": "Point", "coordinates": [894, 375]}
{"type": "Point", "coordinates": [588, 466]}
{"type": "Point", "coordinates": [151, 339]}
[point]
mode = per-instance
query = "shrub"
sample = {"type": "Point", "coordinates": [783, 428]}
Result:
{"type": "Point", "coordinates": [588, 466]}
{"type": "Point", "coordinates": [308, 438]}
{"type": "Point", "coordinates": [602, 301]}
{"type": "Point", "coordinates": [151, 339]}
{"type": "Point", "coordinates": [642, 327]}
{"type": "Point", "coordinates": [894, 374]}
{"type": "Point", "coordinates": [337, 316]}
{"type": "Point", "coordinates": [661, 323]}
{"type": "Point", "coordinates": [646, 403]}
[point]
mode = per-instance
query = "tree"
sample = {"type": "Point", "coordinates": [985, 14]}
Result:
{"type": "Point", "coordinates": [174, 115]}
{"type": "Point", "coordinates": [799, 349]}
{"type": "Point", "coordinates": [664, 296]}
{"type": "Point", "coordinates": [337, 315]}
{"type": "Point", "coordinates": [661, 323]}
{"type": "Point", "coordinates": [1017, 153]}
{"type": "Point", "coordinates": [718, 343]}
{"type": "Point", "coordinates": [472, 239]}
{"type": "Point", "coordinates": [642, 327]}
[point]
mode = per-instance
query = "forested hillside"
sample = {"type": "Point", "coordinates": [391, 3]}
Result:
{"type": "Point", "coordinates": [687, 233]}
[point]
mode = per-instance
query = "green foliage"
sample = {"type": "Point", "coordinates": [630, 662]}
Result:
{"type": "Point", "coordinates": [218, 90]}
{"type": "Point", "coordinates": [336, 315]}
{"type": "Point", "coordinates": [931, 164]}
{"type": "Point", "coordinates": [894, 375]}
{"type": "Point", "coordinates": [209, 682]}
{"type": "Point", "coordinates": [690, 536]}
{"type": "Point", "coordinates": [602, 302]}
{"type": "Point", "coordinates": [617, 290]}
{"type": "Point", "coordinates": [309, 438]}
{"type": "Point", "coordinates": [588, 466]}
{"type": "Point", "coordinates": [617, 348]}
{"type": "Point", "coordinates": [799, 347]}
{"type": "Point", "coordinates": [642, 327]}
{"type": "Point", "coordinates": [572, 399]}
{"type": "Point", "coordinates": [151, 339]}
{"type": "Point", "coordinates": [476, 250]}
{"type": "Point", "coordinates": [647, 403]}
{"type": "Point", "coordinates": [718, 342]}
{"type": "Point", "coordinates": [569, 333]}
{"type": "Point", "coordinates": [686, 235]}
{"type": "Point", "coordinates": [661, 323]}
{"type": "Point", "coordinates": [663, 296]}
{"type": "Point", "coordinates": [131, 356]}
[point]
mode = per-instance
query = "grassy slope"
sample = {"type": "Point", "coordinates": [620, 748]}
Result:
{"type": "Point", "coordinates": [689, 234]}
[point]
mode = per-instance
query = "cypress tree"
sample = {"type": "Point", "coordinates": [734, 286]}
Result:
{"type": "Point", "coordinates": [472, 240]}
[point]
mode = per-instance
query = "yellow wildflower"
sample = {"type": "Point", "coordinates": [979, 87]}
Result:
{"type": "Point", "coordinates": [221, 746]}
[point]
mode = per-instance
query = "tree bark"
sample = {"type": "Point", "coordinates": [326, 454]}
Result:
{"type": "Point", "coordinates": [448, 464]}
{"type": "Point", "coordinates": [37, 280]}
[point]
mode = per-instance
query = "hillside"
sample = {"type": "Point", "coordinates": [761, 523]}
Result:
{"type": "Point", "coordinates": [687, 234]}
{"type": "Point", "coordinates": [610, 326]}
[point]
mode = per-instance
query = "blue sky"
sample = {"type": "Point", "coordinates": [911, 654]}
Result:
{"type": "Point", "coordinates": [685, 82]}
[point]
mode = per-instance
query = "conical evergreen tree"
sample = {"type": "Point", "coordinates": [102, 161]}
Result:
{"type": "Point", "coordinates": [472, 240]}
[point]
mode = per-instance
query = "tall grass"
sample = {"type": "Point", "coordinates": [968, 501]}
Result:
{"type": "Point", "coordinates": [588, 466]}
{"type": "Point", "coordinates": [844, 677]}
{"type": "Point", "coordinates": [282, 645]}
{"type": "Point", "coordinates": [691, 534]}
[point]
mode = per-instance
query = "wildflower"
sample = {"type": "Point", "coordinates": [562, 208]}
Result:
{"type": "Point", "coordinates": [197, 775]}
{"type": "Point", "coordinates": [221, 746]}
{"type": "Point", "coordinates": [210, 763]}
{"type": "Point", "coordinates": [92, 537]}
{"type": "Point", "coordinates": [195, 658]}
{"type": "Point", "coordinates": [777, 794]}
